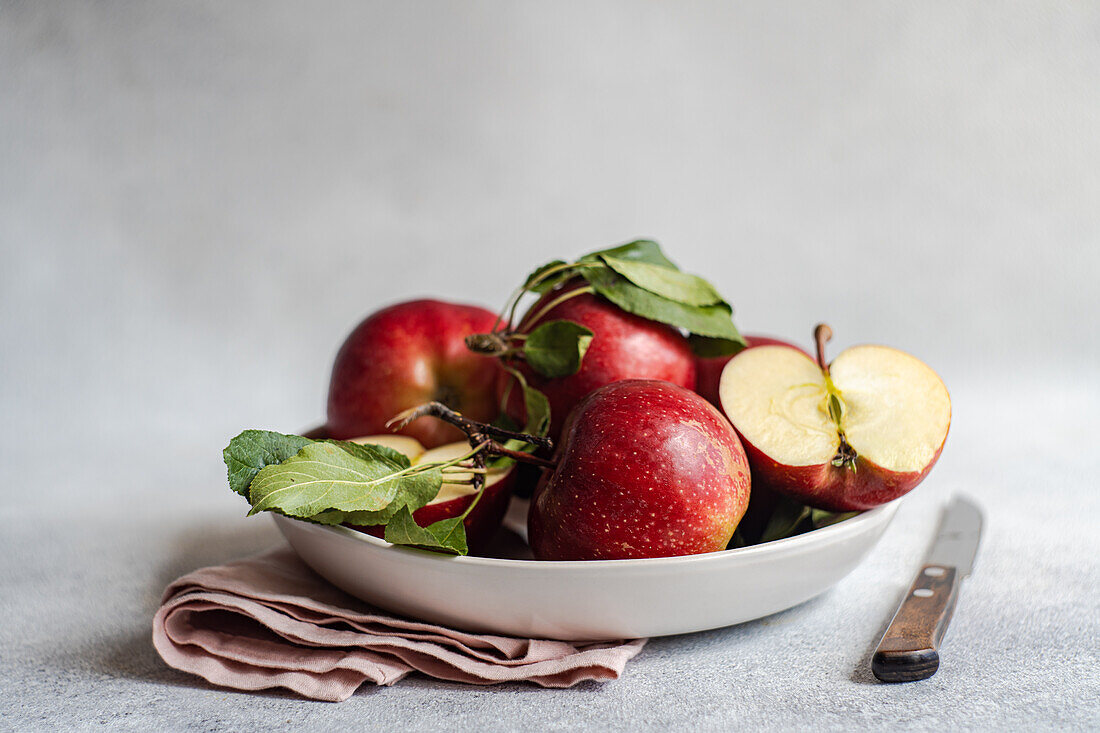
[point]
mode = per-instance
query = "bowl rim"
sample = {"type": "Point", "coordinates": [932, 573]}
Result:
{"type": "Point", "coordinates": [833, 532]}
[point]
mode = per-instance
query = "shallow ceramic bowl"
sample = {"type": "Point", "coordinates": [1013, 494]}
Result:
{"type": "Point", "coordinates": [602, 599]}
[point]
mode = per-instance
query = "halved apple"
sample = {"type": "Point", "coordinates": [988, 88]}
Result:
{"type": "Point", "coordinates": [453, 498]}
{"type": "Point", "coordinates": [847, 436]}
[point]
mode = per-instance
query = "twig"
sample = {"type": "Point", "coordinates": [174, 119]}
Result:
{"type": "Point", "coordinates": [472, 428]}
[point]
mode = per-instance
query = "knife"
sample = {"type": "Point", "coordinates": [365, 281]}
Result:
{"type": "Point", "coordinates": [909, 650]}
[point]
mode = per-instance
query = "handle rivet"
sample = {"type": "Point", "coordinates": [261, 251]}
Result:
{"type": "Point", "coordinates": [922, 592]}
{"type": "Point", "coordinates": [934, 572]}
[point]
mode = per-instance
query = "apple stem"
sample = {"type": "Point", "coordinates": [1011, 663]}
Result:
{"type": "Point", "coordinates": [822, 335]}
{"type": "Point", "coordinates": [513, 300]}
{"type": "Point", "coordinates": [481, 435]}
{"type": "Point", "coordinates": [529, 320]}
{"type": "Point", "coordinates": [491, 344]}
{"type": "Point", "coordinates": [505, 340]}
{"type": "Point", "coordinates": [845, 454]}
{"type": "Point", "coordinates": [518, 455]}
{"type": "Point", "coordinates": [510, 308]}
{"type": "Point", "coordinates": [465, 424]}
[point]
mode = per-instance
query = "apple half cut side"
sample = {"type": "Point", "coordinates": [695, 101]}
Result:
{"type": "Point", "coordinates": [708, 369]}
{"type": "Point", "coordinates": [453, 498]}
{"type": "Point", "coordinates": [851, 436]}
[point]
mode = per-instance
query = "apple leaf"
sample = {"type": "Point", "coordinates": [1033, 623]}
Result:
{"type": "Point", "coordinates": [326, 476]}
{"type": "Point", "coordinates": [673, 284]}
{"type": "Point", "coordinates": [336, 482]}
{"type": "Point", "coordinates": [707, 346]}
{"type": "Point", "coordinates": [555, 348]}
{"type": "Point", "coordinates": [535, 405]}
{"type": "Point", "coordinates": [414, 495]}
{"type": "Point", "coordinates": [252, 450]}
{"type": "Point", "coordinates": [540, 281]}
{"type": "Point", "coordinates": [821, 518]}
{"type": "Point", "coordinates": [502, 462]}
{"type": "Point", "coordinates": [412, 500]}
{"type": "Point", "coordinates": [642, 250]}
{"type": "Point", "coordinates": [714, 321]}
{"type": "Point", "coordinates": [538, 411]}
{"type": "Point", "coordinates": [785, 520]}
{"type": "Point", "coordinates": [446, 535]}
{"type": "Point", "coordinates": [790, 518]}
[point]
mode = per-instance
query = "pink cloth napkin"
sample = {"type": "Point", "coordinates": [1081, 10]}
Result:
{"type": "Point", "coordinates": [269, 621]}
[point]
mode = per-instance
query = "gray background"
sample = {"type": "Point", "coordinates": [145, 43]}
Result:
{"type": "Point", "coordinates": [198, 201]}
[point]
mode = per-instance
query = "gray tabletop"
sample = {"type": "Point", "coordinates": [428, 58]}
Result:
{"type": "Point", "coordinates": [198, 201]}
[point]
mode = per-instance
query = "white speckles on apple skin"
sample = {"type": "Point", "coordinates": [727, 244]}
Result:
{"type": "Point", "coordinates": [646, 469]}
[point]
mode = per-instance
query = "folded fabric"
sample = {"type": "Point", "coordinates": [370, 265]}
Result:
{"type": "Point", "coordinates": [269, 621]}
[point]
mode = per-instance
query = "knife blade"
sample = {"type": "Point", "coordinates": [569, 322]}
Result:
{"type": "Point", "coordinates": [909, 650]}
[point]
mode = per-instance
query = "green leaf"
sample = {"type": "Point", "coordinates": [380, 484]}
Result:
{"type": "Point", "coordinates": [504, 421]}
{"type": "Point", "coordinates": [539, 282]}
{"type": "Point", "coordinates": [535, 405]}
{"type": "Point", "coordinates": [447, 535]}
{"type": "Point", "coordinates": [373, 452]}
{"type": "Point", "coordinates": [334, 518]}
{"type": "Point", "coordinates": [707, 320]}
{"type": "Point", "coordinates": [555, 348]}
{"type": "Point", "coordinates": [253, 450]}
{"type": "Point", "coordinates": [368, 518]}
{"type": "Point", "coordinates": [665, 281]}
{"type": "Point", "coordinates": [790, 518]}
{"type": "Point", "coordinates": [538, 411]}
{"type": "Point", "coordinates": [785, 520]}
{"type": "Point", "coordinates": [821, 518]}
{"type": "Point", "coordinates": [642, 250]}
{"type": "Point", "coordinates": [708, 346]}
{"type": "Point", "coordinates": [326, 476]}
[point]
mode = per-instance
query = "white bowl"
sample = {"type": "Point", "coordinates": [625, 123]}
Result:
{"type": "Point", "coordinates": [602, 599]}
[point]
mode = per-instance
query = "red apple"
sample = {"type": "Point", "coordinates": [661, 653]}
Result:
{"type": "Point", "coordinates": [624, 346]}
{"type": "Point", "coordinates": [645, 469]}
{"type": "Point", "coordinates": [404, 356]}
{"type": "Point", "coordinates": [847, 436]}
{"type": "Point", "coordinates": [454, 498]}
{"type": "Point", "coordinates": [708, 369]}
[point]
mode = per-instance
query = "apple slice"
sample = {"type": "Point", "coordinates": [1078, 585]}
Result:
{"type": "Point", "coordinates": [453, 498]}
{"type": "Point", "coordinates": [846, 436]}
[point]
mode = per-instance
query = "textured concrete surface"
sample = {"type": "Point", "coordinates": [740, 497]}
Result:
{"type": "Point", "coordinates": [197, 201]}
{"type": "Point", "coordinates": [79, 591]}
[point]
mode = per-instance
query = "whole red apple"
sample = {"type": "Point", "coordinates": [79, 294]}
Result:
{"type": "Point", "coordinates": [454, 496]}
{"type": "Point", "coordinates": [645, 469]}
{"type": "Point", "coordinates": [844, 436]}
{"type": "Point", "coordinates": [404, 356]}
{"type": "Point", "coordinates": [624, 346]}
{"type": "Point", "coordinates": [708, 369]}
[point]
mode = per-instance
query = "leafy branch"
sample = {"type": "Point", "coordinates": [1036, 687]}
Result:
{"type": "Point", "coordinates": [638, 278]}
{"type": "Point", "coordinates": [340, 482]}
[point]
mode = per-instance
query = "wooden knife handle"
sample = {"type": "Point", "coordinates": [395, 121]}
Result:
{"type": "Point", "coordinates": [909, 649]}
